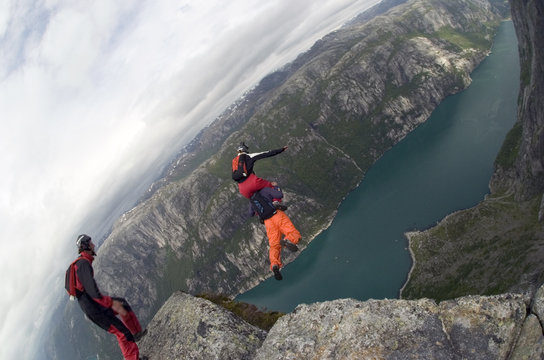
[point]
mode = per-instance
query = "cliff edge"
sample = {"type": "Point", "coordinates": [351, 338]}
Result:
{"type": "Point", "coordinates": [507, 326]}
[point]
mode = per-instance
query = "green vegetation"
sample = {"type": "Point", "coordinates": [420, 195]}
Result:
{"type": "Point", "coordinates": [406, 90]}
{"type": "Point", "coordinates": [464, 40]}
{"type": "Point", "coordinates": [510, 148]}
{"type": "Point", "coordinates": [526, 64]}
{"type": "Point", "coordinates": [248, 312]}
{"type": "Point", "coordinates": [484, 250]}
{"type": "Point", "coordinates": [175, 274]}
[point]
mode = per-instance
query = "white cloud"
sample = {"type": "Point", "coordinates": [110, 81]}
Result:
{"type": "Point", "coordinates": [95, 95]}
{"type": "Point", "coordinates": [5, 10]}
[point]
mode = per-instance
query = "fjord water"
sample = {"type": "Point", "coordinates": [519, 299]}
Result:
{"type": "Point", "coordinates": [443, 166]}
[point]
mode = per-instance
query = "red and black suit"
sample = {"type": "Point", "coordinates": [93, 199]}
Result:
{"type": "Point", "coordinates": [253, 183]}
{"type": "Point", "coordinates": [98, 309]}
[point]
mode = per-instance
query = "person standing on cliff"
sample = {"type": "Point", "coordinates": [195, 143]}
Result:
{"type": "Point", "coordinates": [277, 223]}
{"type": "Point", "coordinates": [100, 309]}
{"type": "Point", "coordinates": [242, 170]}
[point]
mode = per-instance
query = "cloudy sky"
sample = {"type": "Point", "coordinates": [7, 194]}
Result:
{"type": "Point", "coordinates": [95, 96]}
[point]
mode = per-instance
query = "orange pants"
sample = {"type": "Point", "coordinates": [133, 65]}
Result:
{"type": "Point", "coordinates": [276, 226]}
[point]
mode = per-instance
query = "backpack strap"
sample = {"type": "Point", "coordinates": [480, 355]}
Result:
{"type": "Point", "coordinates": [245, 165]}
{"type": "Point", "coordinates": [239, 168]}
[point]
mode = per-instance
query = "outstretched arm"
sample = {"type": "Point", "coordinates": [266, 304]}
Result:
{"type": "Point", "coordinates": [262, 155]}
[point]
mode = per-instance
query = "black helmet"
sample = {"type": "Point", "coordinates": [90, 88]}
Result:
{"type": "Point", "coordinates": [243, 147]}
{"type": "Point", "coordinates": [83, 242]}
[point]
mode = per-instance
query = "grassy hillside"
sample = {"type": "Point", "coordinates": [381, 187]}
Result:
{"type": "Point", "coordinates": [490, 249]}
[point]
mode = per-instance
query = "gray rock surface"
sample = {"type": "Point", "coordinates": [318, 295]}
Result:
{"type": "Point", "coordinates": [187, 327]}
{"type": "Point", "coordinates": [538, 304]}
{"type": "Point", "coordinates": [350, 329]}
{"type": "Point", "coordinates": [483, 327]}
{"type": "Point", "coordinates": [472, 327]}
{"type": "Point", "coordinates": [531, 342]}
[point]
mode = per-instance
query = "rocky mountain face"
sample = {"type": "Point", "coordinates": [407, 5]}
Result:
{"type": "Point", "coordinates": [338, 107]}
{"type": "Point", "coordinates": [187, 327]}
{"type": "Point", "coordinates": [522, 171]}
{"type": "Point", "coordinates": [507, 326]}
{"type": "Point", "coordinates": [498, 245]}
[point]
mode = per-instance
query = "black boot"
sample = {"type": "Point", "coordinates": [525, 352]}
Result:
{"type": "Point", "coordinates": [140, 335]}
{"type": "Point", "coordinates": [289, 245]}
{"type": "Point", "coordinates": [280, 207]}
{"type": "Point", "coordinates": [277, 273]}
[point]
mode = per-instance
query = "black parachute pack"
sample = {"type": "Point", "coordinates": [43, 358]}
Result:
{"type": "Point", "coordinates": [262, 206]}
{"type": "Point", "coordinates": [239, 168]}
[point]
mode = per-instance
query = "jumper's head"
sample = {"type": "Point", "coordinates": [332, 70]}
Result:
{"type": "Point", "coordinates": [242, 147]}
{"type": "Point", "coordinates": [84, 243]}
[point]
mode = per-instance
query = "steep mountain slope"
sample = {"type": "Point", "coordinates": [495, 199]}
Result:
{"type": "Point", "coordinates": [498, 245]}
{"type": "Point", "coordinates": [520, 169]}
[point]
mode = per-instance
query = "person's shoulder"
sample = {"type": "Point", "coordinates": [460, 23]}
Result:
{"type": "Point", "coordinates": [82, 261]}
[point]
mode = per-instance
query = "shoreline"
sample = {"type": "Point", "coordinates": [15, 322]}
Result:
{"type": "Point", "coordinates": [408, 236]}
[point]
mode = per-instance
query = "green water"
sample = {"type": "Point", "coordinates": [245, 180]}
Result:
{"type": "Point", "coordinates": [443, 166]}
